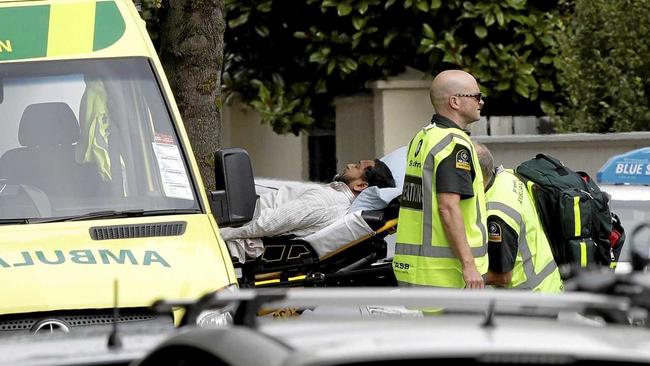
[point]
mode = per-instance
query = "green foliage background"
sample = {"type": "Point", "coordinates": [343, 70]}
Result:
{"type": "Point", "coordinates": [288, 59]}
{"type": "Point", "coordinates": [605, 67]}
{"type": "Point", "coordinates": [586, 63]}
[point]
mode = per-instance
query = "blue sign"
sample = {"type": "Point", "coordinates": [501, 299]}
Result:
{"type": "Point", "coordinates": [630, 168]}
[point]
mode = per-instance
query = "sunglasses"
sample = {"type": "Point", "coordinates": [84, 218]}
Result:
{"type": "Point", "coordinates": [478, 96]}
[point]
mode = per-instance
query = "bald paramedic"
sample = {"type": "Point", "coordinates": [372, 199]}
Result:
{"type": "Point", "coordinates": [441, 232]}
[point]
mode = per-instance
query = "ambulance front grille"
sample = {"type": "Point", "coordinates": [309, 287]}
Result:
{"type": "Point", "coordinates": [75, 319]}
{"type": "Point", "coordinates": [138, 231]}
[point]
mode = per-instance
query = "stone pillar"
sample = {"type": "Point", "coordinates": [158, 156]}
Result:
{"type": "Point", "coordinates": [500, 125]}
{"type": "Point", "coordinates": [355, 129]}
{"type": "Point", "coordinates": [526, 125]}
{"type": "Point", "coordinates": [401, 107]}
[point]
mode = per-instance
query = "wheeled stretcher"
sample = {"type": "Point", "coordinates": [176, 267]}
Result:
{"type": "Point", "coordinates": [350, 252]}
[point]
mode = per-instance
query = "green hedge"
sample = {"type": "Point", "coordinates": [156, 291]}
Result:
{"type": "Point", "coordinates": [605, 67]}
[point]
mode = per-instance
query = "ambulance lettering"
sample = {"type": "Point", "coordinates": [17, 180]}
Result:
{"type": "Point", "coordinates": [5, 46]}
{"type": "Point", "coordinates": [84, 256]}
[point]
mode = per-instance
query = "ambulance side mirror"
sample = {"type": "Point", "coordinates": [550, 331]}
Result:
{"type": "Point", "coordinates": [233, 203]}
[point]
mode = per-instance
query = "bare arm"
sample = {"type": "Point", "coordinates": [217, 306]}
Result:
{"type": "Point", "coordinates": [452, 221]}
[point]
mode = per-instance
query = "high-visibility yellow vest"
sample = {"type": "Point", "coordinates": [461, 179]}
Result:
{"type": "Point", "coordinates": [511, 201]}
{"type": "Point", "coordinates": [95, 129]}
{"type": "Point", "coordinates": [423, 255]}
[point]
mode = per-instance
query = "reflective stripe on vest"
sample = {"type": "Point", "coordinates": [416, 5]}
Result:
{"type": "Point", "coordinates": [532, 279]}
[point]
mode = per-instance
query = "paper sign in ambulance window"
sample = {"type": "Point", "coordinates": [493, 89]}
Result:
{"type": "Point", "coordinates": [172, 170]}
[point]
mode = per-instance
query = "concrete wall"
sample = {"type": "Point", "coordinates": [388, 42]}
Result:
{"type": "Point", "coordinates": [585, 152]}
{"type": "Point", "coordinates": [272, 155]}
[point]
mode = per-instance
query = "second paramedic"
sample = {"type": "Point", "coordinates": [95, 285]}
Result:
{"type": "Point", "coordinates": [441, 233]}
{"type": "Point", "coordinates": [519, 253]}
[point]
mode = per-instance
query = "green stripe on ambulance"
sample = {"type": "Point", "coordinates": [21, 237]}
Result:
{"type": "Point", "coordinates": [50, 30]}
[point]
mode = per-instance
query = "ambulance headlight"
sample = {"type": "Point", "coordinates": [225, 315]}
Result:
{"type": "Point", "coordinates": [217, 317]}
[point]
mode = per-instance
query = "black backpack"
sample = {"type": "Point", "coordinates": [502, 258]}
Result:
{"type": "Point", "coordinates": [575, 213]}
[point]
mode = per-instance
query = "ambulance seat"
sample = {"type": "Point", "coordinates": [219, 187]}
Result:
{"type": "Point", "coordinates": [47, 134]}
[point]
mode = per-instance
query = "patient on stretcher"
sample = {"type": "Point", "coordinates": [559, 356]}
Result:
{"type": "Point", "coordinates": [302, 209]}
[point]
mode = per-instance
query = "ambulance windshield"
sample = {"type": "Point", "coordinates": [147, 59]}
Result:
{"type": "Point", "coordinates": [88, 135]}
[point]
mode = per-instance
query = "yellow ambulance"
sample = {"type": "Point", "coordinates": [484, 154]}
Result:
{"type": "Point", "coordinates": [98, 183]}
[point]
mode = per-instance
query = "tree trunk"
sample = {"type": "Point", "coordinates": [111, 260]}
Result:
{"type": "Point", "coordinates": [191, 50]}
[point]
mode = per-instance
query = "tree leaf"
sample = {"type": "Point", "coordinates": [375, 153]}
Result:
{"type": "Point", "coordinates": [449, 37]}
{"type": "Point", "coordinates": [422, 5]}
{"type": "Point", "coordinates": [389, 3]}
{"type": "Point", "coordinates": [500, 18]}
{"type": "Point", "coordinates": [330, 66]}
{"type": "Point", "coordinates": [526, 69]}
{"type": "Point", "coordinates": [317, 57]}
{"type": "Point", "coordinates": [522, 90]}
{"type": "Point", "coordinates": [489, 19]}
{"type": "Point", "coordinates": [265, 6]}
{"type": "Point", "coordinates": [503, 85]}
{"type": "Point", "coordinates": [262, 30]}
{"type": "Point", "coordinates": [389, 38]}
{"type": "Point", "coordinates": [428, 31]}
{"type": "Point", "coordinates": [344, 9]}
{"type": "Point", "coordinates": [546, 60]}
{"type": "Point", "coordinates": [480, 31]}
{"type": "Point", "coordinates": [435, 4]}
{"type": "Point", "coordinates": [321, 86]}
{"type": "Point", "coordinates": [358, 22]}
{"type": "Point", "coordinates": [529, 39]}
{"type": "Point", "coordinates": [300, 35]}
{"type": "Point", "coordinates": [351, 64]}
{"type": "Point", "coordinates": [363, 7]}
{"type": "Point", "coordinates": [547, 85]}
{"type": "Point", "coordinates": [234, 23]}
{"type": "Point", "coordinates": [548, 108]}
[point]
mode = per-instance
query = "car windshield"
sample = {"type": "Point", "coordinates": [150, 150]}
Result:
{"type": "Point", "coordinates": [87, 136]}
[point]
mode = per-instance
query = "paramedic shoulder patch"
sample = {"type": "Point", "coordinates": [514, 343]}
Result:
{"type": "Point", "coordinates": [462, 160]}
{"type": "Point", "coordinates": [494, 232]}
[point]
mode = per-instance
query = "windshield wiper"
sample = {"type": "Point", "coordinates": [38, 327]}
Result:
{"type": "Point", "coordinates": [111, 214]}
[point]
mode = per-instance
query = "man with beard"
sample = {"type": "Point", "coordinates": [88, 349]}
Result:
{"type": "Point", "coordinates": [304, 209]}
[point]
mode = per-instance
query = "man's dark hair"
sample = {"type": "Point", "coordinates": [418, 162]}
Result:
{"type": "Point", "coordinates": [379, 175]}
